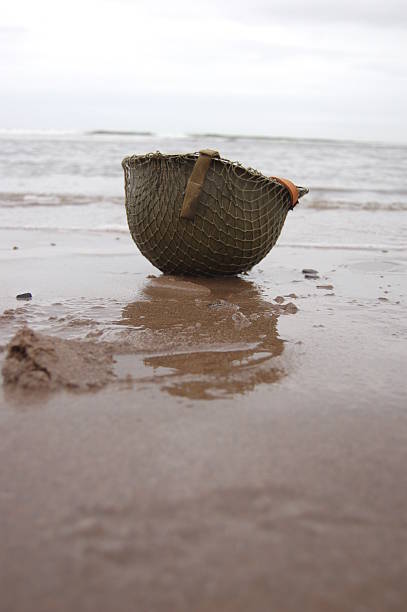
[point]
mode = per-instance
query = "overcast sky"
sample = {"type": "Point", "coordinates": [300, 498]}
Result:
{"type": "Point", "coordinates": [318, 68]}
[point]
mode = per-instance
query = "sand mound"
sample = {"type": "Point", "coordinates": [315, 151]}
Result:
{"type": "Point", "coordinates": [35, 361]}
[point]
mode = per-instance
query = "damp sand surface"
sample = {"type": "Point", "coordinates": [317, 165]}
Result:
{"type": "Point", "coordinates": [241, 444]}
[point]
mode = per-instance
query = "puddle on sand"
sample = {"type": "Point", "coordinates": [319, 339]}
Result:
{"type": "Point", "coordinates": [195, 338]}
{"type": "Point", "coordinates": [205, 338]}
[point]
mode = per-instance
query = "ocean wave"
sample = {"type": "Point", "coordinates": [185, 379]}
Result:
{"type": "Point", "coordinates": [329, 189]}
{"type": "Point", "coordinates": [33, 200]}
{"type": "Point", "coordinates": [349, 205]}
{"type": "Point", "coordinates": [119, 133]}
{"type": "Point", "coordinates": [327, 246]}
{"type": "Point", "coordinates": [107, 228]}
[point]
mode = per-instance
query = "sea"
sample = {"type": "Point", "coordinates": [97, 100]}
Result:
{"type": "Point", "coordinates": [73, 181]}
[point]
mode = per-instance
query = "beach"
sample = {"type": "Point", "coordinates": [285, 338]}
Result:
{"type": "Point", "coordinates": [245, 446]}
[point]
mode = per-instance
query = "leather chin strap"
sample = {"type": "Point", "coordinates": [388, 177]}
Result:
{"type": "Point", "coordinates": [293, 191]}
{"type": "Point", "coordinates": [195, 183]}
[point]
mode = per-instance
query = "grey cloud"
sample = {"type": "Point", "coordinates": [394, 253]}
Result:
{"type": "Point", "coordinates": [363, 12]}
{"type": "Point", "coordinates": [10, 43]}
{"type": "Point", "coordinates": [377, 13]}
{"type": "Point", "coordinates": [9, 32]}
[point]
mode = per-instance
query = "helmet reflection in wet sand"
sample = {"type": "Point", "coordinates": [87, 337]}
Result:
{"type": "Point", "coordinates": [208, 338]}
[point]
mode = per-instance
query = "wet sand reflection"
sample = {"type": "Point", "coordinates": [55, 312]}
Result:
{"type": "Point", "coordinates": [214, 337]}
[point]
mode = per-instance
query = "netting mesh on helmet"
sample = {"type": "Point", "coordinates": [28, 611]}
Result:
{"type": "Point", "coordinates": [238, 219]}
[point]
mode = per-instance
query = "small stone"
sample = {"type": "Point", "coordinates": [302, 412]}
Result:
{"type": "Point", "coordinates": [53, 244]}
{"type": "Point", "coordinates": [325, 287]}
{"type": "Point", "coordinates": [311, 276]}
{"type": "Point", "coordinates": [24, 296]}
{"type": "Point", "coordinates": [15, 248]}
{"type": "Point", "coordinates": [279, 299]}
{"type": "Point", "coordinates": [309, 271]}
{"type": "Point", "coordinates": [289, 308]}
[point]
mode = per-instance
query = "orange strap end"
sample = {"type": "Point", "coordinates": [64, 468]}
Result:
{"type": "Point", "coordinates": [291, 188]}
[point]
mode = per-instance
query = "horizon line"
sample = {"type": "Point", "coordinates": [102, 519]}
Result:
{"type": "Point", "coordinates": [215, 135]}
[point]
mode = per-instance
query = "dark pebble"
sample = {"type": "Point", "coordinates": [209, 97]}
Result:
{"type": "Point", "coordinates": [52, 244]}
{"type": "Point", "coordinates": [311, 276]}
{"type": "Point", "coordinates": [15, 248]}
{"type": "Point", "coordinates": [309, 271]}
{"type": "Point", "coordinates": [24, 296]}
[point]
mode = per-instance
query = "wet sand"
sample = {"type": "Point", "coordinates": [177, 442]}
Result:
{"type": "Point", "coordinates": [247, 451]}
